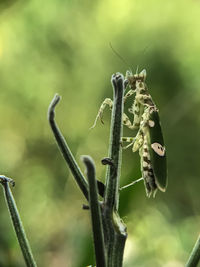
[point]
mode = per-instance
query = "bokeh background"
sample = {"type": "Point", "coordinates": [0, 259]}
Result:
{"type": "Point", "coordinates": [55, 46]}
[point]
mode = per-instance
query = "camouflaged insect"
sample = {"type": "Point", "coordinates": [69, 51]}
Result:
{"type": "Point", "coordinates": [149, 138]}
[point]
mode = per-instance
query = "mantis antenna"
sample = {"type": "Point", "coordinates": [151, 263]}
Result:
{"type": "Point", "coordinates": [119, 56]}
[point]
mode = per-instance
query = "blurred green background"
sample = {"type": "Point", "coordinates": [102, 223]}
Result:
{"type": "Point", "coordinates": [63, 46]}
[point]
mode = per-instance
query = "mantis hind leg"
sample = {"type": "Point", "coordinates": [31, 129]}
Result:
{"type": "Point", "coordinates": [132, 183]}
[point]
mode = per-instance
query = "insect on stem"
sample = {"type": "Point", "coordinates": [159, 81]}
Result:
{"type": "Point", "coordinates": [149, 139]}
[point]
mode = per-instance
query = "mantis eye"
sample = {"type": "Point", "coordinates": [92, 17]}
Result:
{"type": "Point", "coordinates": [143, 74]}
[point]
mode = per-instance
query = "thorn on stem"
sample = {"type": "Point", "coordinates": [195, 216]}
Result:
{"type": "Point", "coordinates": [107, 161]}
{"type": "Point", "coordinates": [85, 207]}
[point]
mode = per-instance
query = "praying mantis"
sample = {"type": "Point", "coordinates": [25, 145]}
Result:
{"type": "Point", "coordinates": [149, 138]}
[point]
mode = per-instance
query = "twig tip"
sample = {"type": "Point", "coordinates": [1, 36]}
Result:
{"type": "Point", "coordinates": [4, 180]}
{"type": "Point", "coordinates": [87, 160]}
{"type": "Point", "coordinates": [52, 106]}
{"type": "Point", "coordinates": [54, 101]}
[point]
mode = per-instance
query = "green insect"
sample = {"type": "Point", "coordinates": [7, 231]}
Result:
{"type": "Point", "coordinates": [149, 139]}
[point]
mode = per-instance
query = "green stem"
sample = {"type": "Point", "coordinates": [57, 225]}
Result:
{"type": "Point", "coordinates": [95, 211]}
{"type": "Point", "coordinates": [17, 223]}
{"type": "Point", "coordinates": [114, 229]}
{"type": "Point", "coordinates": [195, 255]}
{"type": "Point", "coordinates": [66, 152]}
{"type": "Point", "coordinates": [113, 170]}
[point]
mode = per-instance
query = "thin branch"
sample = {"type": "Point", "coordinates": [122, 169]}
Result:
{"type": "Point", "coordinates": [114, 229]}
{"type": "Point", "coordinates": [66, 152]}
{"type": "Point", "coordinates": [113, 170]}
{"type": "Point", "coordinates": [195, 255]}
{"type": "Point", "coordinates": [17, 223]}
{"type": "Point", "coordinates": [96, 216]}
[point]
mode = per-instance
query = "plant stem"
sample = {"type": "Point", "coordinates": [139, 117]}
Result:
{"type": "Point", "coordinates": [95, 211]}
{"type": "Point", "coordinates": [65, 151]}
{"type": "Point", "coordinates": [17, 223]}
{"type": "Point", "coordinates": [195, 255]}
{"type": "Point", "coordinates": [113, 170]}
{"type": "Point", "coordinates": [114, 229]}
